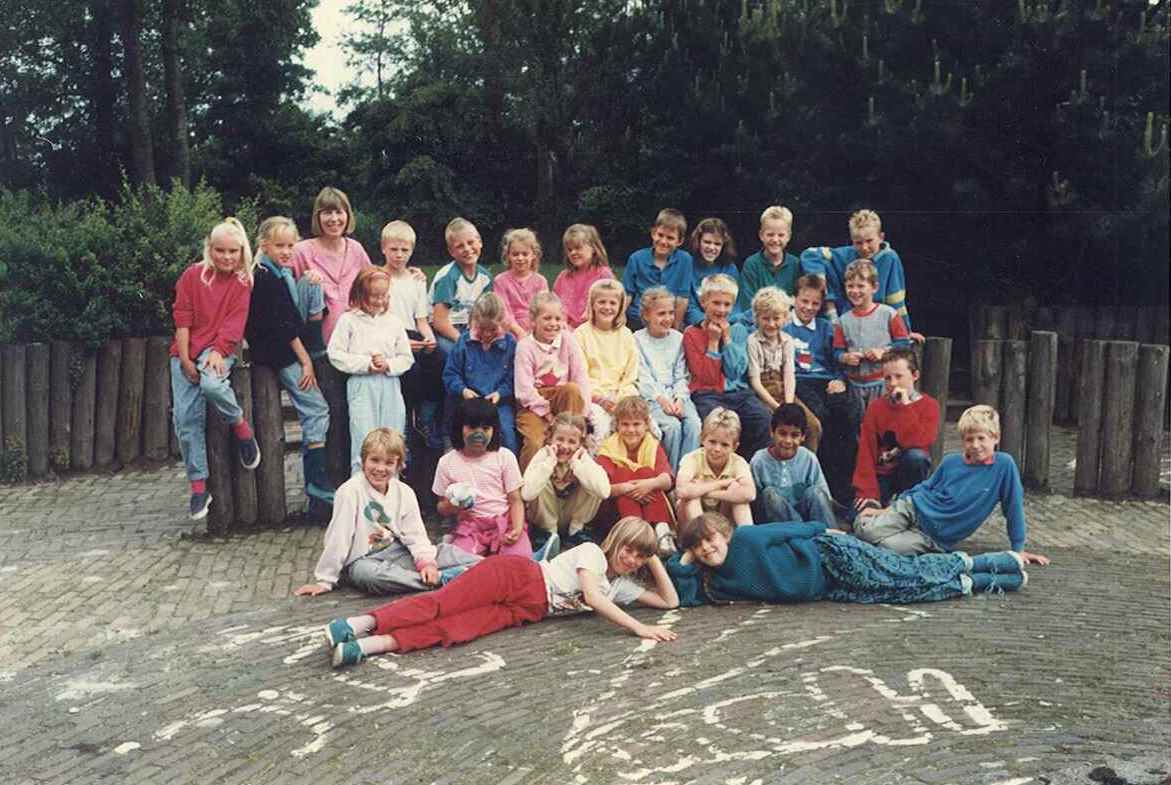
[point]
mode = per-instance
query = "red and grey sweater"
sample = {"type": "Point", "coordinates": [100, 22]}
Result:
{"type": "Point", "coordinates": [913, 426]}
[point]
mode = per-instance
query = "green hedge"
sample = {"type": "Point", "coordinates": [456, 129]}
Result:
{"type": "Point", "coordinates": [90, 270]}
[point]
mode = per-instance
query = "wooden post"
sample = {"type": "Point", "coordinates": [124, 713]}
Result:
{"type": "Point", "coordinates": [1118, 418]}
{"type": "Point", "coordinates": [106, 414]}
{"type": "Point", "coordinates": [337, 443]}
{"type": "Point", "coordinates": [156, 399]}
{"type": "Point", "coordinates": [268, 422]}
{"type": "Point", "coordinates": [130, 394]}
{"type": "Point", "coordinates": [221, 452]}
{"type": "Point", "coordinates": [244, 480]}
{"type": "Point", "coordinates": [1066, 381]}
{"type": "Point", "coordinates": [986, 361]}
{"type": "Point", "coordinates": [38, 409]}
{"type": "Point", "coordinates": [81, 433]}
{"type": "Point", "coordinates": [1150, 403]}
{"type": "Point", "coordinates": [1013, 400]}
{"type": "Point", "coordinates": [1043, 348]}
{"type": "Point", "coordinates": [995, 322]}
{"type": "Point", "coordinates": [1017, 322]}
{"type": "Point", "coordinates": [934, 382]}
{"type": "Point", "coordinates": [60, 403]}
{"type": "Point", "coordinates": [1091, 385]}
{"type": "Point", "coordinates": [15, 394]}
{"type": "Point", "coordinates": [1067, 330]}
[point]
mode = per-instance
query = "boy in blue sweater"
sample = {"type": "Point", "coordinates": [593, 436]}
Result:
{"type": "Point", "coordinates": [662, 264]}
{"type": "Point", "coordinates": [952, 503]}
{"type": "Point", "coordinates": [482, 363]}
{"type": "Point", "coordinates": [789, 482]}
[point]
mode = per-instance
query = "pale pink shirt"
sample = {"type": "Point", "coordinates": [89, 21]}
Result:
{"type": "Point", "coordinates": [517, 294]}
{"type": "Point", "coordinates": [573, 287]}
{"type": "Point", "coordinates": [493, 475]}
{"type": "Point", "coordinates": [338, 272]}
{"type": "Point", "coordinates": [548, 365]}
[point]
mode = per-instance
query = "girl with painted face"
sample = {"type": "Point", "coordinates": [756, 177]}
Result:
{"type": "Point", "coordinates": [479, 483]}
{"type": "Point", "coordinates": [507, 591]}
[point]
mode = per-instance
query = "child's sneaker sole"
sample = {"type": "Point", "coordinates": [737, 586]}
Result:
{"type": "Point", "coordinates": [338, 631]}
{"type": "Point", "coordinates": [348, 653]}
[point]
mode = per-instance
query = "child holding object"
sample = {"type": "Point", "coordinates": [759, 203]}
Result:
{"type": "Point", "coordinates": [211, 309]}
{"type": "Point", "coordinates": [955, 500]}
{"type": "Point", "coordinates": [479, 482]}
{"type": "Point", "coordinates": [563, 485]}
{"type": "Point", "coordinates": [371, 345]}
{"type": "Point", "coordinates": [507, 591]}
{"type": "Point", "coordinates": [803, 562]}
{"type": "Point", "coordinates": [376, 541]}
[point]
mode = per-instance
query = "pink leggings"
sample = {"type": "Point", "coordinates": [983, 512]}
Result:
{"type": "Point", "coordinates": [499, 592]}
{"type": "Point", "coordinates": [485, 536]}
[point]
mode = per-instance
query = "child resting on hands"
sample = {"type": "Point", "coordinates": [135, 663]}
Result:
{"type": "Point", "coordinates": [714, 478]}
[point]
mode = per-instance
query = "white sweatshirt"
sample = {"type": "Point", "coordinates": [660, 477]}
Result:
{"type": "Point", "coordinates": [358, 336]}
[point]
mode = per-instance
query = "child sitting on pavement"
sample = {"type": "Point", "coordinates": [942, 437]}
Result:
{"type": "Point", "coordinates": [714, 478]}
{"type": "Point", "coordinates": [952, 503]}
{"type": "Point", "coordinates": [563, 486]}
{"type": "Point", "coordinates": [788, 478]}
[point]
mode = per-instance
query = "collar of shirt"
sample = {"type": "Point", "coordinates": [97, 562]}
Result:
{"type": "Point", "coordinates": [549, 347]}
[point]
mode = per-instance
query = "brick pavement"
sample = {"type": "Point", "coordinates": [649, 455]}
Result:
{"type": "Point", "coordinates": [134, 652]}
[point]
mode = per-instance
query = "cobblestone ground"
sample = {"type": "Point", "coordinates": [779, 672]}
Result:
{"type": "Point", "coordinates": [133, 652]}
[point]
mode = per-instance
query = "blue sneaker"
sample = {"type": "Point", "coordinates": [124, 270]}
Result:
{"type": "Point", "coordinates": [1004, 562]}
{"type": "Point", "coordinates": [990, 583]}
{"type": "Point", "coordinates": [348, 653]}
{"type": "Point", "coordinates": [450, 574]}
{"type": "Point", "coordinates": [338, 631]}
{"type": "Point", "coordinates": [200, 502]}
{"type": "Point", "coordinates": [249, 452]}
{"type": "Point", "coordinates": [551, 548]}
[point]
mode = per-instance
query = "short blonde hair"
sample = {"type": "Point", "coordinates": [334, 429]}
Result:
{"type": "Point", "coordinates": [584, 234]}
{"type": "Point", "coordinates": [670, 218]}
{"type": "Point", "coordinates": [864, 269]}
{"type": "Point", "coordinates": [653, 296]}
{"type": "Point", "coordinates": [608, 286]}
{"type": "Point", "coordinates": [979, 418]}
{"type": "Point", "coordinates": [718, 283]}
{"type": "Point", "coordinates": [525, 236]}
{"type": "Point", "coordinates": [771, 300]}
{"type": "Point", "coordinates": [864, 219]}
{"type": "Point", "coordinates": [330, 198]}
{"type": "Point", "coordinates": [385, 441]}
{"type": "Point", "coordinates": [776, 212]}
{"type": "Point", "coordinates": [540, 301]}
{"type": "Point", "coordinates": [456, 226]}
{"type": "Point", "coordinates": [398, 230]}
{"type": "Point", "coordinates": [720, 417]}
{"type": "Point", "coordinates": [632, 407]}
{"type": "Point", "coordinates": [488, 307]}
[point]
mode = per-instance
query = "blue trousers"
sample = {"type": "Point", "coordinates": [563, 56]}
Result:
{"type": "Point", "coordinates": [914, 467]}
{"type": "Point", "coordinates": [312, 410]}
{"type": "Point", "coordinates": [189, 409]}
{"type": "Point", "coordinates": [375, 401]}
{"type": "Point", "coordinates": [813, 504]}
{"type": "Point", "coordinates": [679, 437]}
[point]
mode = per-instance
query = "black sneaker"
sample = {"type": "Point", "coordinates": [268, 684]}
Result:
{"type": "Point", "coordinates": [249, 452]}
{"type": "Point", "coordinates": [200, 502]}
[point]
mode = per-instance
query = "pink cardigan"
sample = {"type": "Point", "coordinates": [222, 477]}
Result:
{"type": "Point", "coordinates": [573, 288]}
{"type": "Point", "coordinates": [517, 295]}
{"type": "Point", "coordinates": [548, 365]}
{"type": "Point", "coordinates": [337, 275]}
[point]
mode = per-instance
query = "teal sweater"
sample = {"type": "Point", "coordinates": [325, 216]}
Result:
{"type": "Point", "coordinates": [769, 562]}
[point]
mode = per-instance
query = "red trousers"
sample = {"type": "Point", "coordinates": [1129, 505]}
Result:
{"type": "Point", "coordinates": [657, 510]}
{"type": "Point", "coordinates": [501, 591]}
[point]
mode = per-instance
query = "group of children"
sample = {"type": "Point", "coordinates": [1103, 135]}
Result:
{"type": "Point", "coordinates": [690, 391]}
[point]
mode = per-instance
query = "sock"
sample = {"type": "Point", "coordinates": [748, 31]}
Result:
{"type": "Point", "coordinates": [199, 486]}
{"type": "Point", "coordinates": [377, 644]}
{"type": "Point", "coordinates": [242, 430]}
{"type": "Point", "coordinates": [362, 625]}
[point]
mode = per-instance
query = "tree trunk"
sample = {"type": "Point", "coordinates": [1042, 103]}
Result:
{"type": "Point", "coordinates": [104, 95]}
{"type": "Point", "coordinates": [142, 163]}
{"type": "Point", "coordinates": [180, 164]}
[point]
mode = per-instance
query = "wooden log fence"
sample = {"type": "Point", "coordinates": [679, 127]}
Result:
{"type": "Point", "coordinates": [933, 380]}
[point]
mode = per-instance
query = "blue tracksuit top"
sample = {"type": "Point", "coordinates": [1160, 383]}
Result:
{"type": "Point", "coordinates": [484, 370]}
{"type": "Point", "coordinates": [768, 562]}
{"type": "Point", "coordinates": [642, 273]}
{"type": "Point", "coordinates": [957, 497]}
{"type": "Point", "coordinates": [813, 350]}
{"type": "Point", "coordinates": [832, 263]}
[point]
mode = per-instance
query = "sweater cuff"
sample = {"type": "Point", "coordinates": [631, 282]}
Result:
{"type": "Point", "coordinates": [421, 563]}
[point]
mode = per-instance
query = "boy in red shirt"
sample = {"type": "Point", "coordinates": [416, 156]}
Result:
{"type": "Point", "coordinates": [897, 433]}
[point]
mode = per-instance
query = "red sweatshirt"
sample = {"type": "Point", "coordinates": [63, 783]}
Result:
{"type": "Point", "coordinates": [215, 313]}
{"type": "Point", "coordinates": [707, 370]}
{"type": "Point", "coordinates": [914, 426]}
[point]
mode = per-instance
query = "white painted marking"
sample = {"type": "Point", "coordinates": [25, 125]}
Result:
{"type": "Point", "coordinates": [1014, 781]}
{"type": "Point", "coordinates": [126, 746]}
{"type": "Point", "coordinates": [80, 689]}
{"type": "Point", "coordinates": [92, 579]}
{"type": "Point", "coordinates": [268, 695]}
{"type": "Point", "coordinates": [93, 554]}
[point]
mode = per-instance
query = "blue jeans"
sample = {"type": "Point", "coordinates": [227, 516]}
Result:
{"type": "Point", "coordinates": [772, 506]}
{"type": "Point", "coordinates": [679, 436]}
{"type": "Point", "coordinates": [189, 409]}
{"type": "Point", "coordinates": [391, 570]}
{"type": "Point", "coordinates": [312, 410]}
{"type": "Point", "coordinates": [445, 343]}
{"type": "Point", "coordinates": [375, 401]}
{"type": "Point", "coordinates": [914, 467]}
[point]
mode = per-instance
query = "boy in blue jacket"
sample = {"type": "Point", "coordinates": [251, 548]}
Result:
{"type": "Point", "coordinates": [954, 501]}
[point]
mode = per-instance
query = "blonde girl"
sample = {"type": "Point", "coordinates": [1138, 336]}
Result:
{"type": "Point", "coordinates": [563, 486]}
{"type": "Point", "coordinates": [507, 591]}
{"type": "Point", "coordinates": [210, 312]}
{"type": "Point", "coordinates": [331, 257]}
{"type": "Point", "coordinates": [284, 320]}
{"type": "Point", "coordinates": [371, 345]}
{"type": "Point", "coordinates": [610, 353]}
{"type": "Point", "coordinates": [520, 253]}
{"type": "Point", "coordinates": [586, 261]}
{"type": "Point", "coordinates": [714, 478]}
{"type": "Point", "coordinates": [551, 375]}
{"type": "Point", "coordinates": [482, 365]}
